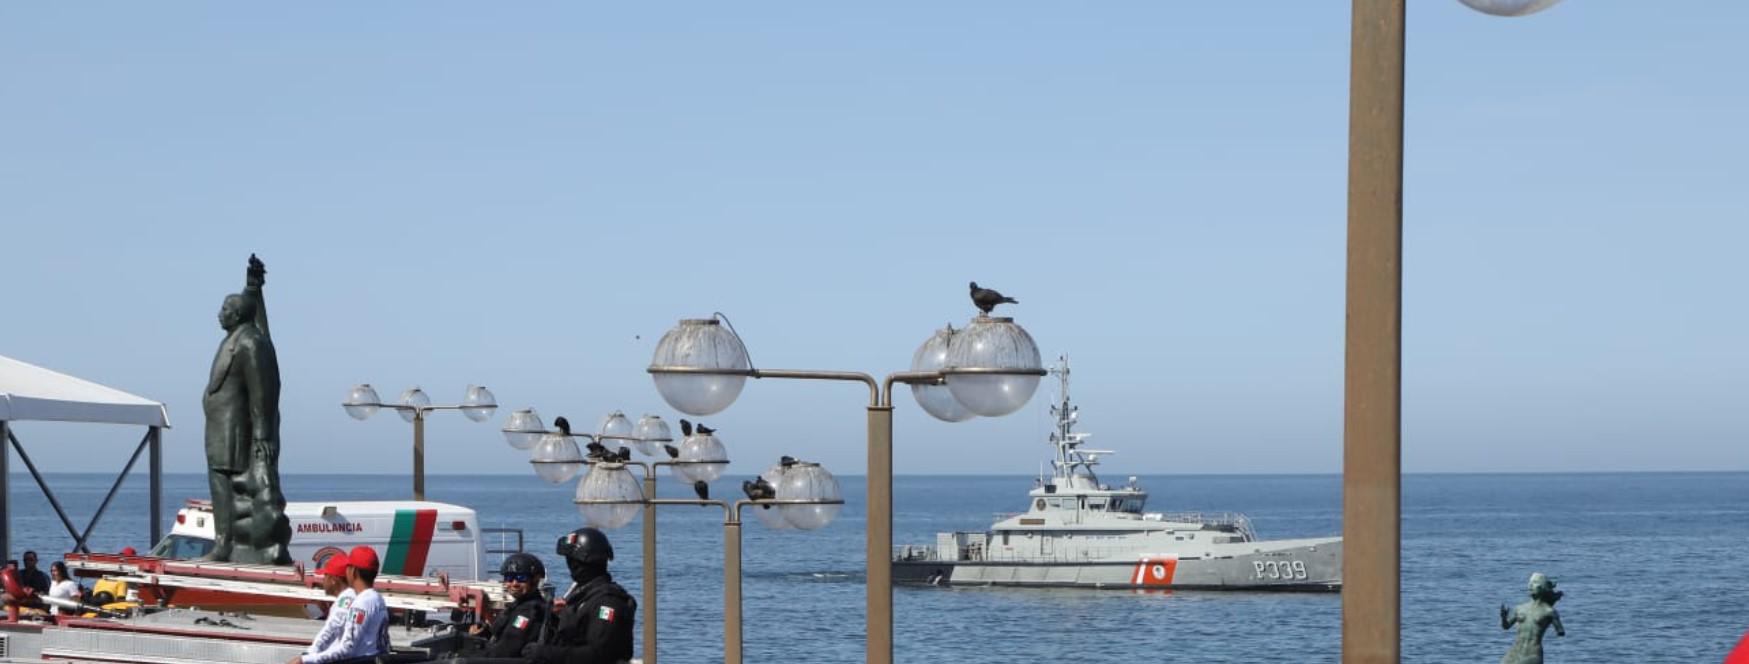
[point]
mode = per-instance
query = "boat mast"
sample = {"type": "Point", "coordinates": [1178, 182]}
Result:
{"type": "Point", "coordinates": [1062, 439]}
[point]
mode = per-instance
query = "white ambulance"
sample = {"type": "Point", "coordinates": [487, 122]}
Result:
{"type": "Point", "coordinates": [411, 538]}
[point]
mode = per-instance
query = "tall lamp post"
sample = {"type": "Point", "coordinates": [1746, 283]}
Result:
{"type": "Point", "coordinates": [990, 368]}
{"type": "Point", "coordinates": [477, 405]}
{"type": "Point", "coordinates": [1372, 399]}
{"type": "Point", "coordinates": [792, 494]}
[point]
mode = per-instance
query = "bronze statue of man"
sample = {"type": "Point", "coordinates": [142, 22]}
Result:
{"type": "Point", "coordinates": [242, 433]}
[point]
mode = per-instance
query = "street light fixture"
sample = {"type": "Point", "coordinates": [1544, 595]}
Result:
{"type": "Point", "coordinates": [557, 459]}
{"type": "Point", "coordinates": [362, 402]}
{"type": "Point", "coordinates": [812, 500]}
{"type": "Point", "coordinates": [991, 368]}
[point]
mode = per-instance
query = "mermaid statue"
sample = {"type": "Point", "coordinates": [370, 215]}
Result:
{"type": "Point", "coordinates": [1533, 618]}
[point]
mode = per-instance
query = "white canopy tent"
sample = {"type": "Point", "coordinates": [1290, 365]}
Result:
{"type": "Point", "coordinates": [32, 393]}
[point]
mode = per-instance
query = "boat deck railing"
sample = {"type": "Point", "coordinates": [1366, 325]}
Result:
{"type": "Point", "coordinates": [1231, 522]}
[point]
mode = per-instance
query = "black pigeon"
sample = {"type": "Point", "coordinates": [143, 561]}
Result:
{"type": "Point", "coordinates": [563, 424]}
{"type": "Point", "coordinates": [987, 299]}
{"type": "Point", "coordinates": [598, 452]}
{"type": "Point", "coordinates": [625, 454]}
{"type": "Point", "coordinates": [704, 430]}
{"type": "Point", "coordinates": [703, 489]}
{"type": "Point", "coordinates": [673, 452]}
{"type": "Point", "coordinates": [759, 489]}
{"type": "Point", "coordinates": [786, 461]}
{"type": "Point", "coordinates": [685, 427]}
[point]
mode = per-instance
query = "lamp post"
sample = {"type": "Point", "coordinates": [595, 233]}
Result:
{"type": "Point", "coordinates": [477, 405]}
{"type": "Point", "coordinates": [796, 494]}
{"type": "Point", "coordinates": [557, 459]}
{"type": "Point", "coordinates": [1372, 393]}
{"type": "Point", "coordinates": [990, 368]}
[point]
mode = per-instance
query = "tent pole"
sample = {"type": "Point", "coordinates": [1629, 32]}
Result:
{"type": "Point", "coordinates": [85, 537]}
{"type": "Point", "coordinates": [156, 466]}
{"type": "Point", "coordinates": [44, 484]}
{"type": "Point", "coordinates": [5, 494]}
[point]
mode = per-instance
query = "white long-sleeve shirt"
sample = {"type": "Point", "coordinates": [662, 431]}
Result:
{"type": "Point", "coordinates": [366, 632]}
{"type": "Point", "coordinates": [337, 617]}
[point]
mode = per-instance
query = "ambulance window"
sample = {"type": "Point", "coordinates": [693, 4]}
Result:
{"type": "Point", "coordinates": [182, 547]}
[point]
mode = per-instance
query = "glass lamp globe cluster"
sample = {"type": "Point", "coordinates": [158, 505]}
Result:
{"type": "Point", "coordinates": [989, 368]}
{"type": "Point", "coordinates": [362, 402]}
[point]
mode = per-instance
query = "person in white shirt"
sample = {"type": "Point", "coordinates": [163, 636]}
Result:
{"type": "Point", "coordinates": [366, 631]}
{"type": "Point", "coordinates": [333, 583]}
{"type": "Point", "coordinates": [63, 586]}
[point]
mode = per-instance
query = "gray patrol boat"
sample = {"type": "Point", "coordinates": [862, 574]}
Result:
{"type": "Point", "coordinates": [1079, 532]}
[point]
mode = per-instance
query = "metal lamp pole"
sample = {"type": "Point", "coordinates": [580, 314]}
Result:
{"type": "Point", "coordinates": [732, 642]}
{"type": "Point", "coordinates": [880, 477]}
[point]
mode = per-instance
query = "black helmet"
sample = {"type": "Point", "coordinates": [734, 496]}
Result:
{"type": "Point", "coordinates": [586, 545]}
{"type": "Point", "coordinates": [522, 563]}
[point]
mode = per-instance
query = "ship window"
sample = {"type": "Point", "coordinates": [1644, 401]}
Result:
{"type": "Point", "coordinates": [1117, 505]}
{"type": "Point", "coordinates": [1096, 503]}
{"type": "Point", "coordinates": [1056, 503]}
{"type": "Point", "coordinates": [1004, 538]}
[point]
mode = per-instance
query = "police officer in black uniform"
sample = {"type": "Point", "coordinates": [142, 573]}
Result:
{"type": "Point", "coordinates": [520, 623]}
{"type": "Point", "coordinates": [595, 624]}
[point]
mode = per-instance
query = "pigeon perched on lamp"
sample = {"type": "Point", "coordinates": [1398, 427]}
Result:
{"type": "Point", "coordinates": [986, 299]}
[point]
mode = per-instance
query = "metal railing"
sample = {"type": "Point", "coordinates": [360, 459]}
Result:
{"type": "Point", "coordinates": [503, 549]}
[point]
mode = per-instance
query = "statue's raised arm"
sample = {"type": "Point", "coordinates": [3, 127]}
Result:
{"type": "Point", "coordinates": [252, 283]}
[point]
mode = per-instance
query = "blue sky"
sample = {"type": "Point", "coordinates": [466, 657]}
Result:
{"type": "Point", "coordinates": [527, 196]}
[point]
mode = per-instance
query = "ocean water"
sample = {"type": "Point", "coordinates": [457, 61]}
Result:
{"type": "Point", "coordinates": [1654, 566]}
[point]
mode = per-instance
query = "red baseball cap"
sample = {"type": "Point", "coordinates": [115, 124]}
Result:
{"type": "Point", "coordinates": [128, 551]}
{"type": "Point", "coordinates": [336, 566]}
{"type": "Point", "coordinates": [363, 557]}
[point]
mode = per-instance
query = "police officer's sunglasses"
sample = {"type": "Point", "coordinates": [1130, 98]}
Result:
{"type": "Point", "coordinates": [514, 576]}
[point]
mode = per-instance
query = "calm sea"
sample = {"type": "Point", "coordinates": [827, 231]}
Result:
{"type": "Point", "coordinates": [1653, 565]}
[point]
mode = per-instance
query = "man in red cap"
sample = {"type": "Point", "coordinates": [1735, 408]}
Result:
{"type": "Point", "coordinates": [333, 583]}
{"type": "Point", "coordinates": [366, 630]}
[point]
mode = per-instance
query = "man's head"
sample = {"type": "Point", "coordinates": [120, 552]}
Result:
{"type": "Point", "coordinates": [361, 571]}
{"type": "Point", "coordinates": [334, 575]}
{"type": "Point", "coordinates": [522, 574]}
{"type": "Point", "coordinates": [235, 311]}
{"type": "Point", "coordinates": [30, 560]}
{"type": "Point", "coordinates": [586, 552]}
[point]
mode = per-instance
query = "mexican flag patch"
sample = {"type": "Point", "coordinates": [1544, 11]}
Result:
{"type": "Point", "coordinates": [521, 622]}
{"type": "Point", "coordinates": [345, 602]}
{"type": "Point", "coordinates": [606, 613]}
{"type": "Point", "coordinates": [358, 617]}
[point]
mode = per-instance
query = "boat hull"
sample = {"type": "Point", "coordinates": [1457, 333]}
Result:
{"type": "Point", "coordinates": [1307, 568]}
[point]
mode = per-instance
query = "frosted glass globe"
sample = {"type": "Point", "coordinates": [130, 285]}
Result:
{"type": "Point", "coordinates": [808, 481]}
{"type": "Point", "coordinates": [524, 429]}
{"type": "Point", "coordinates": [1509, 7]}
{"type": "Point", "coordinates": [479, 403]}
{"type": "Point", "coordinates": [361, 402]}
{"type": "Point", "coordinates": [992, 344]}
{"type": "Point", "coordinates": [556, 458]}
{"type": "Point", "coordinates": [772, 517]}
{"type": "Point", "coordinates": [651, 433]}
{"type": "Point", "coordinates": [700, 344]}
{"type": "Point", "coordinates": [704, 459]}
{"type": "Point", "coordinates": [414, 397]}
{"type": "Point", "coordinates": [609, 482]}
{"type": "Point", "coordinates": [937, 400]}
{"type": "Point", "coordinates": [615, 431]}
